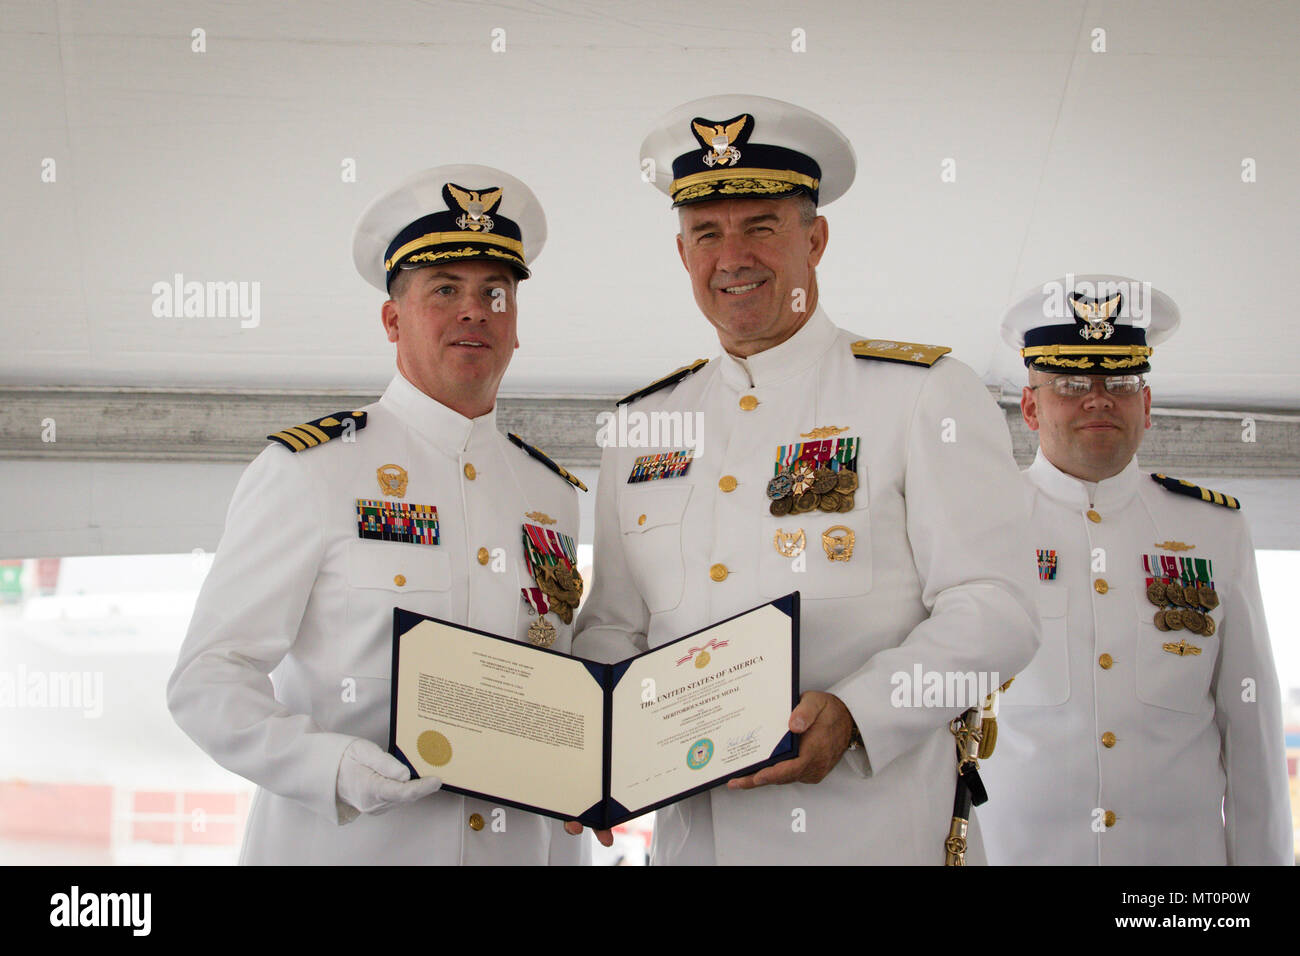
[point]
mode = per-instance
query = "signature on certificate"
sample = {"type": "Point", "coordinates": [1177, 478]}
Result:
{"type": "Point", "coordinates": [746, 738]}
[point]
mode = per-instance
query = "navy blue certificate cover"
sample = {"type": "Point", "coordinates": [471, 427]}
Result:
{"type": "Point", "coordinates": [607, 812]}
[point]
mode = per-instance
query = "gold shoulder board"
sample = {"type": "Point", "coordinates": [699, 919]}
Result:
{"type": "Point", "coordinates": [1178, 486]}
{"type": "Point", "coordinates": [546, 460]}
{"type": "Point", "coordinates": [670, 379]}
{"type": "Point", "coordinates": [909, 353]}
{"type": "Point", "coordinates": [311, 434]}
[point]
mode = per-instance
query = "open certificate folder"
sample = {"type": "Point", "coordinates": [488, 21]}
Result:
{"type": "Point", "coordinates": [598, 743]}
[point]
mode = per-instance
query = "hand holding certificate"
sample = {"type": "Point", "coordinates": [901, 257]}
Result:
{"type": "Point", "coordinates": [596, 743]}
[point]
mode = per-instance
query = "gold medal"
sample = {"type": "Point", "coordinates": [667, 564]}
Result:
{"type": "Point", "coordinates": [564, 612]}
{"type": "Point", "coordinates": [829, 502]}
{"type": "Point", "coordinates": [805, 502]}
{"type": "Point", "coordinates": [838, 547]}
{"type": "Point", "coordinates": [781, 506]}
{"type": "Point", "coordinates": [1174, 618]}
{"type": "Point", "coordinates": [846, 481]}
{"type": "Point", "coordinates": [1194, 621]}
{"type": "Point", "coordinates": [1207, 597]}
{"type": "Point", "coordinates": [1174, 594]}
{"type": "Point", "coordinates": [1190, 596]}
{"type": "Point", "coordinates": [541, 633]}
{"type": "Point", "coordinates": [824, 480]}
{"type": "Point", "coordinates": [1160, 620]}
{"type": "Point", "coordinates": [801, 473]}
{"type": "Point", "coordinates": [1209, 626]}
{"type": "Point", "coordinates": [434, 748]}
{"type": "Point", "coordinates": [789, 544]}
{"type": "Point", "coordinates": [1156, 594]}
{"type": "Point", "coordinates": [846, 502]}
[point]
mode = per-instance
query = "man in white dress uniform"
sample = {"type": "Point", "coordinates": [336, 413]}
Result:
{"type": "Point", "coordinates": [873, 476]}
{"type": "Point", "coordinates": [1147, 729]}
{"type": "Point", "coordinates": [416, 501]}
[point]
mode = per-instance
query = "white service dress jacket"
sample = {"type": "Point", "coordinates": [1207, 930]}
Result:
{"type": "Point", "coordinates": [937, 580]}
{"type": "Point", "coordinates": [288, 655]}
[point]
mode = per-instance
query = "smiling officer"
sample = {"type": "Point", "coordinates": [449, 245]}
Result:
{"type": "Point", "coordinates": [873, 476]}
{"type": "Point", "coordinates": [1147, 729]}
{"type": "Point", "coordinates": [416, 501]}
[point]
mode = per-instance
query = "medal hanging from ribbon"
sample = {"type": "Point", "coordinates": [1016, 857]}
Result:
{"type": "Point", "coordinates": [1182, 589]}
{"type": "Point", "coordinates": [814, 475]}
{"type": "Point", "coordinates": [552, 561]}
{"type": "Point", "coordinates": [541, 632]}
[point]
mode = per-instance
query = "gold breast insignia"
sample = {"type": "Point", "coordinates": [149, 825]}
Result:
{"type": "Point", "coordinates": [838, 547]}
{"type": "Point", "coordinates": [825, 431]}
{"type": "Point", "coordinates": [392, 480]}
{"type": "Point", "coordinates": [789, 544]}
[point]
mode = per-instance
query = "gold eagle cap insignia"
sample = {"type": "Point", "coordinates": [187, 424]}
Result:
{"type": "Point", "coordinates": [1096, 314]}
{"type": "Point", "coordinates": [540, 517]}
{"type": "Point", "coordinates": [1097, 311]}
{"type": "Point", "coordinates": [476, 204]}
{"type": "Point", "coordinates": [719, 139]}
{"type": "Point", "coordinates": [711, 134]}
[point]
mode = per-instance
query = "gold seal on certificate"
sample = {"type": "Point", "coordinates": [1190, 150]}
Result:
{"type": "Point", "coordinates": [702, 660]}
{"type": "Point", "coordinates": [434, 748]}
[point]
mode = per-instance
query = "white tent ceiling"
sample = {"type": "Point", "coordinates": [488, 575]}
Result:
{"type": "Point", "coordinates": [226, 166]}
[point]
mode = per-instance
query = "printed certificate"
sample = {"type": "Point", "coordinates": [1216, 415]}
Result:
{"type": "Point", "coordinates": [598, 743]}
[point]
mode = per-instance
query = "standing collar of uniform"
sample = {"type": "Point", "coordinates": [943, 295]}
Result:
{"type": "Point", "coordinates": [448, 430]}
{"type": "Point", "coordinates": [1114, 492]}
{"type": "Point", "coordinates": [801, 350]}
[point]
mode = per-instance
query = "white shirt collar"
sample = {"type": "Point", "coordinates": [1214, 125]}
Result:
{"type": "Point", "coordinates": [1113, 493]}
{"type": "Point", "coordinates": [793, 356]}
{"type": "Point", "coordinates": [446, 429]}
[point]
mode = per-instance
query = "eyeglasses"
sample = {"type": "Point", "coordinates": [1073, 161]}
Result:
{"type": "Point", "coordinates": [1077, 386]}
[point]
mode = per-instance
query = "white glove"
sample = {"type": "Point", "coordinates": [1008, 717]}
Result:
{"type": "Point", "coordinates": [372, 781]}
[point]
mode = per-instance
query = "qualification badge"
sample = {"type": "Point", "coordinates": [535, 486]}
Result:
{"type": "Point", "coordinates": [838, 547]}
{"type": "Point", "coordinates": [392, 480]}
{"type": "Point", "coordinates": [790, 544]}
{"type": "Point", "coordinates": [552, 560]}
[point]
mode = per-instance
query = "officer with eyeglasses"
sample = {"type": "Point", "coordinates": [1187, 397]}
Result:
{"type": "Point", "coordinates": [1147, 729]}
